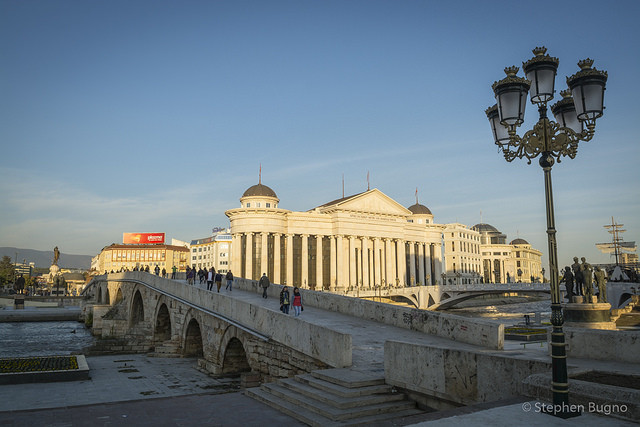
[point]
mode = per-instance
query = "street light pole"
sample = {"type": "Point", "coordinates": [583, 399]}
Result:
{"type": "Point", "coordinates": [579, 108]}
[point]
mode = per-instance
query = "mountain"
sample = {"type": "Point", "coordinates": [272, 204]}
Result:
{"type": "Point", "coordinates": [43, 259]}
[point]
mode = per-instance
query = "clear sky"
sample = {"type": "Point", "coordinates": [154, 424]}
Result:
{"type": "Point", "coordinates": [154, 116]}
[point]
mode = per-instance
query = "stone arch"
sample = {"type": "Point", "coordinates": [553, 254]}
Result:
{"type": "Point", "coordinates": [137, 309]}
{"type": "Point", "coordinates": [193, 340]}
{"type": "Point", "coordinates": [623, 299]}
{"type": "Point", "coordinates": [99, 294]}
{"type": "Point", "coordinates": [107, 298]}
{"type": "Point", "coordinates": [118, 296]}
{"type": "Point", "coordinates": [431, 301]}
{"type": "Point", "coordinates": [232, 353]}
{"type": "Point", "coordinates": [162, 329]}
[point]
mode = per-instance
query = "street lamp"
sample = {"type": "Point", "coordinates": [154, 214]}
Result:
{"type": "Point", "coordinates": [579, 108]}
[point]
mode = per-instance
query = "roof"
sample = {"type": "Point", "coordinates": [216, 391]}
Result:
{"type": "Point", "coordinates": [336, 201]}
{"type": "Point", "coordinates": [259, 190]}
{"type": "Point", "coordinates": [145, 246]}
{"type": "Point", "coordinates": [519, 241]}
{"type": "Point", "coordinates": [419, 209]}
{"type": "Point", "coordinates": [482, 227]}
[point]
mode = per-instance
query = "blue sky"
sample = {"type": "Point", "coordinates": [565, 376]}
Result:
{"type": "Point", "coordinates": [133, 116]}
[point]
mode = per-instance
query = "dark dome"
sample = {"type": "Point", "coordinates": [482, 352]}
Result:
{"type": "Point", "coordinates": [482, 227]}
{"type": "Point", "coordinates": [519, 241]}
{"type": "Point", "coordinates": [419, 209]}
{"type": "Point", "coordinates": [259, 190]}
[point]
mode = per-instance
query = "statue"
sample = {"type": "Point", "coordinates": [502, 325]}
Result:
{"type": "Point", "coordinates": [587, 279]}
{"type": "Point", "coordinates": [601, 283]}
{"type": "Point", "coordinates": [56, 256]}
{"type": "Point", "coordinates": [567, 278]}
{"type": "Point", "coordinates": [577, 275]}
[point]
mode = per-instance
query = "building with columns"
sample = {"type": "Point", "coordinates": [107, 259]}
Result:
{"type": "Point", "coordinates": [366, 240]}
{"type": "Point", "coordinates": [463, 260]}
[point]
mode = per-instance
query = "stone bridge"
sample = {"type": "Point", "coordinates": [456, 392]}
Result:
{"type": "Point", "coordinates": [443, 297]}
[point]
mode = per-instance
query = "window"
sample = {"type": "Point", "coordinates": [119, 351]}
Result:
{"type": "Point", "coordinates": [248, 205]}
{"type": "Point", "coordinates": [268, 205]}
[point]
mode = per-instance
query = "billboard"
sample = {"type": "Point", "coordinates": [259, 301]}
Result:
{"type": "Point", "coordinates": [142, 238]}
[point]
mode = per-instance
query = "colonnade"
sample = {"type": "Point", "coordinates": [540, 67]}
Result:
{"type": "Point", "coordinates": [335, 262]}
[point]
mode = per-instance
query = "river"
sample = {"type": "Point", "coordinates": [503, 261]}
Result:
{"type": "Point", "coordinates": [22, 339]}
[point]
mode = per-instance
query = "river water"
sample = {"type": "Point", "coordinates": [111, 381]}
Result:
{"type": "Point", "coordinates": [23, 339]}
{"type": "Point", "coordinates": [508, 311]}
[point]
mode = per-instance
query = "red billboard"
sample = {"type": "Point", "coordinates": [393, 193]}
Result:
{"type": "Point", "coordinates": [142, 238]}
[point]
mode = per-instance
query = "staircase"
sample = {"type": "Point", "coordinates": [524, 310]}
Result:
{"type": "Point", "coordinates": [335, 397]}
{"type": "Point", "coordinates": [167, 349]}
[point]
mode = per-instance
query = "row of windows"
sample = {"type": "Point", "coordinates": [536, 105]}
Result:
{"type": "Point", "coordinates": [466, 247]}
{"type": "Point", "coordinates": [467, 236]}
{"type": "Point", "coordinates": [268, 205]}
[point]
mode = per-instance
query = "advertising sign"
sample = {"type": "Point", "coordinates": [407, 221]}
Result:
{"type": "Point", "coordinates": [142, 238]}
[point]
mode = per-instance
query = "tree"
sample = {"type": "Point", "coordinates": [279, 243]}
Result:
{"type": "Point", "coordinates": [7, 271]}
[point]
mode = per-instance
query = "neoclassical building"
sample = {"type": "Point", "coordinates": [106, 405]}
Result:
{"type": "Point", "coordinates": [365, 241]}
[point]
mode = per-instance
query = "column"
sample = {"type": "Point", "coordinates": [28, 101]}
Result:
{"type": "Point", "coordinates": [264, 254]}
{"type": "Point", "coordinates": [236, 260]}
{"type": "Point", "coordinates": [411, 276]}
{"type": "Point", "coordinates": [304, 259]}
{"type": "Point", "coordinates": [332, 265]}
{"type": "Point", "coordinates": [402, 263]}
{"type": "Point", "coordinates": [427, 260]}
{"type": "Point", "coordinates": [319, 285]}
{"type": "Point", "coordinates": [365, 262]}
{"type": "Point", "coordinates": [289, 266]}
{"type": "Point", "coordinates": [358, 263]}
{"type": "Point", "coordinates": [394, 264]}
{"type": "Point", "coordinates": [276, 258]}
{"type": "Point", "coordinates": [249, 257]}
{"type": "Point", "coordinates": [352, 261]}
{"type": "Point", "coordinates": [389, 280]}
{"type": "Point", "coordinates": [421, 263]}
{"type": "Point", "coordinates": [377, 279]}
{"type": "Point", "coordinates": [341, 263]}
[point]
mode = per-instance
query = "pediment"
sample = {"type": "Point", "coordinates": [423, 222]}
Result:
{"type": "Point", "coordinates": [371, 201]}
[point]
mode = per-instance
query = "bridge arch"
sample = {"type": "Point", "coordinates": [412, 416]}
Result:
{"type": "Point", "coordinates": [99, 294]}
{"type": "Point", "coordinates": [107, 299]}
{"type": "Point", "coordinates": [232, 352]}
{"type": "Point", "coordinates": [623, 298]}
{"type": "Point", "coordinates": [193, 340]}
{"type": "Point", "coordinates": [137, 308]}
{"type": "Point", "coordinates": [162, 329]}
{"type": "Point", "coordinates": [118, 296]}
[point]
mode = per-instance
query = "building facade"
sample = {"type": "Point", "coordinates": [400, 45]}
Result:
{"type": "Point", "coordinates": [213, 251]}
{"type": "Point", "coordinates": [462, 255]}
{"type": "Point", "coordinates": [118, 257]}
{"type": "Point", "coordinates": [367, 240]}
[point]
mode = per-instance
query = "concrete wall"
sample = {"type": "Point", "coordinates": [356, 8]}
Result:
{"type": "Point", "coordinates": [614, 345]}
{"type": "Point", "coordinates": [460, 376]}
{"type": "Point", "coordinates": [456, 328]}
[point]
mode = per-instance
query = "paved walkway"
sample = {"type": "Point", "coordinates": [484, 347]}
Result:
{"type": "Point", "coordinates": [153, 391]}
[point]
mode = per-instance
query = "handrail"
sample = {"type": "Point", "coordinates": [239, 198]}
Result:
{"type": "Point", "coordinates": [197, 307]}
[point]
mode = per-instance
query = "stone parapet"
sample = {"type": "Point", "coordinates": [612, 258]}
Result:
{"type": "Point", "coordinates": [612, 346]}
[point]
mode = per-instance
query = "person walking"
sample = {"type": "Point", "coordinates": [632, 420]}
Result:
{"type": "Point", "coordinates": [285, 300]}
{"type": "Point", "coordinates": [164, 272]}
{"type": "Point", "coordinates": [229, 278]}
{"type": "Point", "coordinates": [264, 284]}
{"type": "Point", "coordinates": [218, 280]}
{"type": "Point", "coordinates": [210, 277]}
{"type": "Point", "coordinates": [173, 271]}
{"type": "Point", "coordinates": [297, 302]}
{"type": "Point", "coordinates": [157, 270]}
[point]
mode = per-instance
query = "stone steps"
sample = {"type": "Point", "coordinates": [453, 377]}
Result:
{"type": "Point", "coordinates": [167, 349]}
{"type": "Point", "coordinates": [335, 397]}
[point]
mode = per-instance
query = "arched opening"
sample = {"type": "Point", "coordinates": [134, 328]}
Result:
{"type": "Point", "coordinates": [137, 309]}
{"type": "Point", "coordinates": [162, 330]}
{"type": "Point", "coordinates": [193, 340]}
{"type": "Point", "coordinates": [99, 295]}
{"type": "Point", "coordinates": [431, 301]}
{"type": "Point", "coordinates": [624, 299]}
{"type": "Point", "coordinates": [118, 296]}
{"type": "Point", "coordinates": [235, 358]}
{"type": "Point", "coordinates": [107, 299]}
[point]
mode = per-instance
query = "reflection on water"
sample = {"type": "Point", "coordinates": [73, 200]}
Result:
{"type": "Point", "coordinates": [22, 339]}
{"type": "Point", "coordinates": [507, 313]}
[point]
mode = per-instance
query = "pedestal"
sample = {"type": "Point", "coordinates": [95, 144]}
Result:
{"type": "Point", "coordinates": [591, 315]}
{"type": "Point", "coordinates": [18, 302]}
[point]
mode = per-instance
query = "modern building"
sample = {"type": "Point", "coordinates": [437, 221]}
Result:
{"type": "Point", "coordinates": [504, 263]}
{"type": "Point", "coordinates": [213, 251]}
{"type": "Point", "coordinates": [117, 257]}
{"type": "Point", "coordinates": [462, 257]}
{"type": "Point", "coordinates": [366, 240]}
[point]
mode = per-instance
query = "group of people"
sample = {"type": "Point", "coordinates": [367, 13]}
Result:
{"type": "Point", "coordinates": [286, 300]}
{"type": "Point", "coordinates": [209, 276]}
{"type": "Point", "coordinates": [578, 281]}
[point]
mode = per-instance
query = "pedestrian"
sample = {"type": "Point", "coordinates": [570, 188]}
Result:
{"type": "Point", "coordinates": [285, 300]}
{"type": "Point", "coordinates": [218, 280]}
{"type": "Point", "coordinates": [164, 272]}
{"type": "Point", "coordinates": [190, 275]}
{"type": "Point", "coordinates": [157, 270]}
{"type": "Point", "coordinates": [264, 284]}
{"type": "Point", "coordinates": [210, 276]}
{"type": "Point", "coordinates": [229, 278]}
{"type": "Point", "coordinates": [173, 271]}
{"type": "Point", "coordinates": [297, 301]}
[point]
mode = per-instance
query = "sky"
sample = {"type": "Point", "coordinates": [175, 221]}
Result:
{"type": "Point", "coordinates": [155, 116]}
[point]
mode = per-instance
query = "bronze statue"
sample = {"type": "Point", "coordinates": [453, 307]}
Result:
{"type": "Point", "coordinates": [601, 283]}
{"type": "Point", "coordinates": [577, 275]}
{"type": "Point", "coordinates": [56, 256]}
{"type": "Point", "coordinates": [567, 278]}
{"type": "Point", "coordinates": [587, 279]}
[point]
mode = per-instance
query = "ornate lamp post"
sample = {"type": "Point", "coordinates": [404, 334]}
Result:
{"type": "Point", "coordinates": [579, 108]}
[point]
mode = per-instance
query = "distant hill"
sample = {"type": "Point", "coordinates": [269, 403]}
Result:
{"type": "Point", "coordinates": [43, 259]}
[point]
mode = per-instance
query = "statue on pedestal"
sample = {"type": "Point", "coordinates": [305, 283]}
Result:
{"type": "Point", "coordinates": [56, 256]}
{"type": "Point", "coordinates": [567, 279]}
{"type": "Point", "coordinates": [577, 275]}
{"type": "Point", "coordinates": [601, 283]}
{"type": "Point", "coordinates": [587, 280]}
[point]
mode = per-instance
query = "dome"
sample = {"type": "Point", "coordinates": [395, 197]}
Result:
{"type": "Point", "coordinates": [519, 242]}
{"type": "Point", "coordinates": [482, 227]}
{"type": "Point", "coordinates": [259, 190]}
{"type": "Point", "coordinates": [419, 209]}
